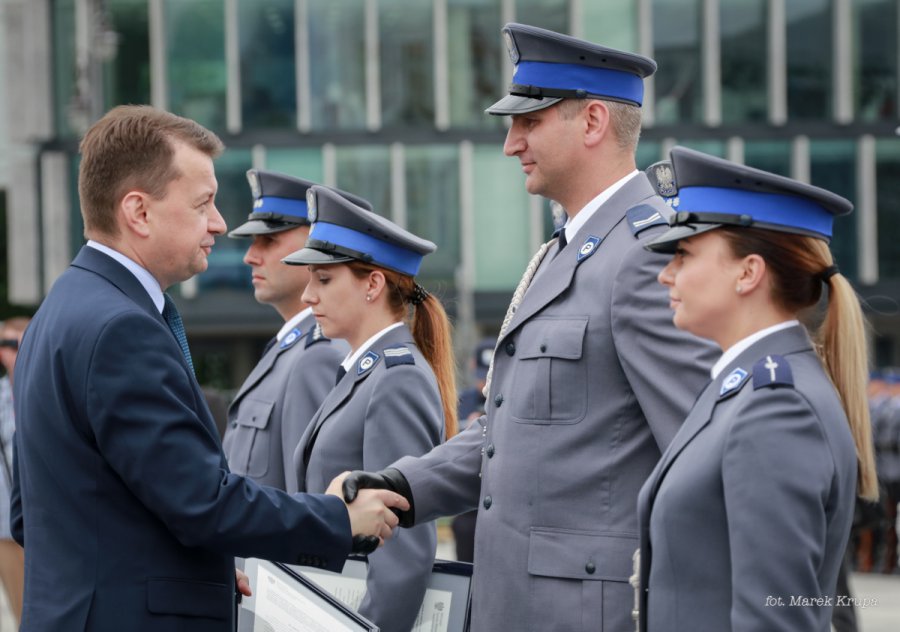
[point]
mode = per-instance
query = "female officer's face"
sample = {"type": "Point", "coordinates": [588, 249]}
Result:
{"type": "Point", "coordinates": [702, 279]}
{"type": "Point", "coordinates": [338, 300]}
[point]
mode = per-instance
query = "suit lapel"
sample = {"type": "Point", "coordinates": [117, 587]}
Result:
{"type": "Point", "coordinates": [121, 277]}
{"type": "Point", "coordinates": [555, 276]}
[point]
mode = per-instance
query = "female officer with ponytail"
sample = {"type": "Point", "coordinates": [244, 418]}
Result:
{"type": "Point", "coordinates": [746, 517]}
{"type": "Point", "coordinates": [395, 393]}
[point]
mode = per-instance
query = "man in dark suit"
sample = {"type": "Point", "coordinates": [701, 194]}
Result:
{"type": "Point", "coordinates": [124, 502]}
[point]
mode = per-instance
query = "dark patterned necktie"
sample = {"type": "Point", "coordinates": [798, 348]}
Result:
{"type": "Point", "coordinates": [173, 319]}
{"type": "Point", "coordinates": [562, 239]}
{"type": "Point", "coordinates": [341, 372]}
{"type": "Point", "coordinates": [269, 345]}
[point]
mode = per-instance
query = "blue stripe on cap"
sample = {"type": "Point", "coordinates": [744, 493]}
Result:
{"type": "Point", "coordinates": [770, 208]}
{"type": "Point", "coordinates": [284, 206]}
{"type": "Point", "coordinates": [600, 81]}
{"type": "Point", "coordinates": [382, 253]}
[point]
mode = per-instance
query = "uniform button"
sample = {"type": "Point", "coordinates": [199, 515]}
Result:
{"type": "Point", "coordinates": [498, 400]}
{"type": "Point", "coordinates": [590, 567]}
{"type": "Point", "coordinates": [490, 450]}
{"type": "Point", "coordinates": [543, 348]}
{"type": "Point", "coordinates": [510, 348]}
{"type": "Point", "coordinates": [487, 502]}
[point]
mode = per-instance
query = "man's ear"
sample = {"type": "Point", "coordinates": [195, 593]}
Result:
{"type": "Point", "coordinates": [596, 121]}
{"type": "Point", "coordinates": [134, 212]}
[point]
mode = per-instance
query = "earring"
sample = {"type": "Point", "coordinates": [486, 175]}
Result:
{"type": "Point", "coordinates": [739, 289]}
{"type": "Point", "coordinates": [368, 298]}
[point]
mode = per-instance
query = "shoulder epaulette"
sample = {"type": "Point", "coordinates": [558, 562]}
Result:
{"type": "Point", "coordinates": [772, 371]}
{"type": "Point", "coordinates": [398, 355]}
{"type": "Point", "coordinates": [642, 217]}
{"type": "Point", "coordinates": [315, 335]}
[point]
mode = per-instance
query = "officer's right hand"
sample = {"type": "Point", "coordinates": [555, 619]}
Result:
{"type": "Point", "coordinates": [371, 515]}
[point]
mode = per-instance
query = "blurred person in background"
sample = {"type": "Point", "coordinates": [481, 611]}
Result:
{"type": "Point", "coordinates": [12, 560]}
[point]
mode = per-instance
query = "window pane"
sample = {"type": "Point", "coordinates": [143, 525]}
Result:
{"type": "Point", "coordinates": [676, 42]}
{"type": "Point", "coordinates": [268, 78]}
{"type": "Point", "coordinates": [196, 60]}
{"type": "Point", "coordinates": [743, 27]}
{"type": "Point", "coordinates": [300, 163]}
{"type": "Point", "coordinates": [876, 59]}
{"type": "Point", "coordinates": [432, 199]}
{"type": "Point", "coordinates": [547, 14]}
{"type": "Point", "coordinates": [612, 24]}
{"type": "Point", "coordinates": [476, 57]}
{"type": "Point", "coordinates": [502, 235]}
{"type": "Point", "coordinates": [833, 167]}
{"type": "Point", "coordinates": [773, 156]}
{"type": "Point", "coordinates": [234, 201]}
{"type": "Point", "coordinates": [809, 42]}
{"type": "Point", "coordinates": [337, 64]}
{"type": "Point", "coordinates": [365, 170]}
{"type": "Point", "coordinates": [127, 75]}
{"type": "Point", "coordinates": [407, 62]}
{"type": "Point", "coordinates": [64, 70]}
{"type": "Point", "coordinates": [888, 196]}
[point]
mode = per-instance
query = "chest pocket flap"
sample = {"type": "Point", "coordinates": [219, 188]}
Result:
{"type": "Point", "coordinates": [581, 555]}
{"type": "Point", "coordinates": [553, 338]}
{"type": "Point", "coordinates": [255, 413]}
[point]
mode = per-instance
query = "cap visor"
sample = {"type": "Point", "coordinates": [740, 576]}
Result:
{"type": "Point", "coordinates": [512, 104]}
{"type": "Point", "coordinates": [260, 227]}
{"type": "Point", "coordinates": [311, 257]}
{"type": "Point", "coordinates": [668, 241]}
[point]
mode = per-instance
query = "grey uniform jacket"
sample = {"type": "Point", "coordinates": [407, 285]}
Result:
{"type": "Point", "coordinates": [590, 383]}
{"type": "Point", "coordinates": [386, 407]}
{"type": "Point", "coordinates": [276, 402]}
{"type": "Point", "coordinates": [748, 513]}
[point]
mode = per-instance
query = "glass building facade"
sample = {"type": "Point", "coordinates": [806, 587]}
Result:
{"type": "Point", "coordinates": [386, 98]}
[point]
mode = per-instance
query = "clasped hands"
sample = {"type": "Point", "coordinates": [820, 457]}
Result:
{"type": "Point", "coordinates": [377, 502]}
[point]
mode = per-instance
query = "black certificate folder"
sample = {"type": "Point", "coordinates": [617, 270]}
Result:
{"type": "Point", "coordinates": [444, 609]}
{"type": "Point", "coordinates": [284, 600]}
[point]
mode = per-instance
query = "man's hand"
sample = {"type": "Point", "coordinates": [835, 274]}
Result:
{"type": "Point", "coordinates": [372, 515]}
{"type": "Point", "coordinates": [243, 582]}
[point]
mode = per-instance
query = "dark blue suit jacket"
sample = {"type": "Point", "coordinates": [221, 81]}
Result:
{"type": "Point", "coordinates": [129, 515]}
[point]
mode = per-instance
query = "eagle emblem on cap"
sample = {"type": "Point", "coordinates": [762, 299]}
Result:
{"type": "Point", "coordinates": [253, 179]}
{"type": "Point", "coordinates": [511, 48]}
{"type": "Point", "coordinates": [312, 214]}
{"type": "Point", "coordinates": [665, 180]}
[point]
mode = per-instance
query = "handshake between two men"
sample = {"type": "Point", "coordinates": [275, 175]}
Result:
{"type": "Point", "coordinates": [368, 496]}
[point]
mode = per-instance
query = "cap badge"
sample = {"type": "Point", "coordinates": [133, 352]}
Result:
{"type": "Point", "coordinates": [665, 181]}
{"type": "Point", "coordinates": [312, 213]}
{"type": "Point", "coordinates": [511, 48]}
{"type": "Point", "coordinates": [253, 179]}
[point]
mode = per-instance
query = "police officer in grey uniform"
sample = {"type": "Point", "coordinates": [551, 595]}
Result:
{"type": "Point", "coordinates": [745, 520]}
{"type": "Point", "coordinates": [282, 393]}
{"type": "Point", "coordinates": [396, 395]}
{"type": "Point", "coordinates": [590, 379]}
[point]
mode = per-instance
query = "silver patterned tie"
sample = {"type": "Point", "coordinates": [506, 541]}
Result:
{"type": "Point", "coordinates": [173, 319]}
{"type": "Point", "coordinates": [521, 288]}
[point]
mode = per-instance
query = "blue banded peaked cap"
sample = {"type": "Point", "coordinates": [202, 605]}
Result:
{"type": "Point", "coordinates": [279, 203]}
{"type": "Point", "coordinates": [343, 231]}
{"type": "Point", "coordinates": [550, 67]}
{"type": "Point", "coordinates": [707, 192]}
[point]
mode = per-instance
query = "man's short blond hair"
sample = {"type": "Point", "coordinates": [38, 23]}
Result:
{"type": "Point", "coordinates": [625, 119]}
